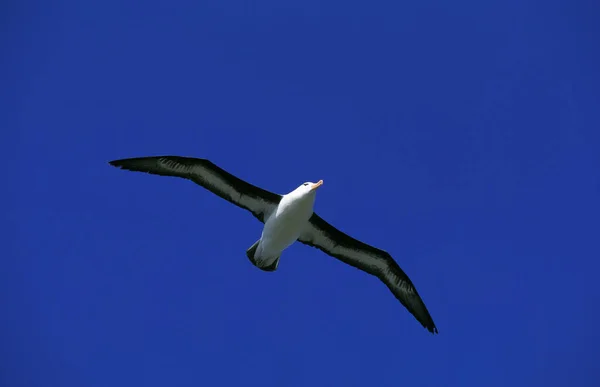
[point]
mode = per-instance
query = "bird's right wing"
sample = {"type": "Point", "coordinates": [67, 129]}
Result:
{"type": "Point", "coordinates": [379, 263]}
{"type": "Point", "coordinates": [258, 201]}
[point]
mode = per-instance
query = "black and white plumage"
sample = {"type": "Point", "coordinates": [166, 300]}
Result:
{"type": "Point", "coordinates": [288, 218]}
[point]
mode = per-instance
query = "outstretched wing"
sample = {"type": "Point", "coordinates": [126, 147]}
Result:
{"type": "Point", "coordinates": [203, 172]}
{"type": "Point", "coordinates": [379, 263]}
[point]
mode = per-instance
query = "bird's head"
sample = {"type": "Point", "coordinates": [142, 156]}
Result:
{"type": "Point", "coordinates": [308, 188]}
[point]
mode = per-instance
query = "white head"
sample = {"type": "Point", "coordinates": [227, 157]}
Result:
{"type": "Point", "coordinates": [308, 188]}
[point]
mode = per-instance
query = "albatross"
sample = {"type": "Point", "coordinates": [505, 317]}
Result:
{"type": "Point", "coordinates": [288, 218]}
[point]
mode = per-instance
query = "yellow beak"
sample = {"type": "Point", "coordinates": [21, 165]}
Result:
{"type": "Point", "coordinates": [317, 185]}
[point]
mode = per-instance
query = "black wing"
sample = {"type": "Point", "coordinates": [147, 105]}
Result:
{"type": "Point", "coordinates": [203, 172]}
{"type": "Point", "coordinates": [379, 263]}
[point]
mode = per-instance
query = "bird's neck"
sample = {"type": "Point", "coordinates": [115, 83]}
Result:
{"type": "Point", "coordinates": [297, 204]}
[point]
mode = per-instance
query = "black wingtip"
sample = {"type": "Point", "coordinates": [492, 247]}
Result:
{"type": "Point", "coordinates": [121, 163]}
{"type": "Point", "coordinates": [431, 328]}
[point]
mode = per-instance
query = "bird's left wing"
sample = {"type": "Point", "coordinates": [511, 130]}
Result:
{"type": "Point", "coordinates": [258, 201]}
{"type": "Point", "coordinates": [379, 263]}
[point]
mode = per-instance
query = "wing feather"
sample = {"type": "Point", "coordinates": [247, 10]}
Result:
{"type": "Point", "coordinates": [379, 263]}
{"type": "Point", "coordinates": [258, 201]}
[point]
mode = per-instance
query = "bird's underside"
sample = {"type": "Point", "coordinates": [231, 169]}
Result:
{"type": "Point", "coordinates": [318, 233]}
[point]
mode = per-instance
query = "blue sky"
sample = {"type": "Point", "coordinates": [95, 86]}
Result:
{"type": "Point", "coordinates": [462, 137]}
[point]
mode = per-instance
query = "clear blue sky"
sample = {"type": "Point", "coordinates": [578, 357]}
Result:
{"type": "Point", "coordinates": [462, 137]}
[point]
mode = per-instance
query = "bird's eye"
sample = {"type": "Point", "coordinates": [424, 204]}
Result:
{"type": "Point", "coordinates": [305, 184]}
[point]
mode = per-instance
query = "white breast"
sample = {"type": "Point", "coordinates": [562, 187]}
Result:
{"type": "Point", "coordinates": [284, 226]}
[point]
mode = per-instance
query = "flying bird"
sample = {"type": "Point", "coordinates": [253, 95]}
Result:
{"type": "Point", "coordinates": [288, 218]}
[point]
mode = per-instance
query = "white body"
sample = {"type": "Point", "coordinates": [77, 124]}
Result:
{"type": "Point", "coordinates": [284, 226]}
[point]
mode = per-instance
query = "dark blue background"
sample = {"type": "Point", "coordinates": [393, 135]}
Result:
{"type": "Point", "coordinates": [461, 137]}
